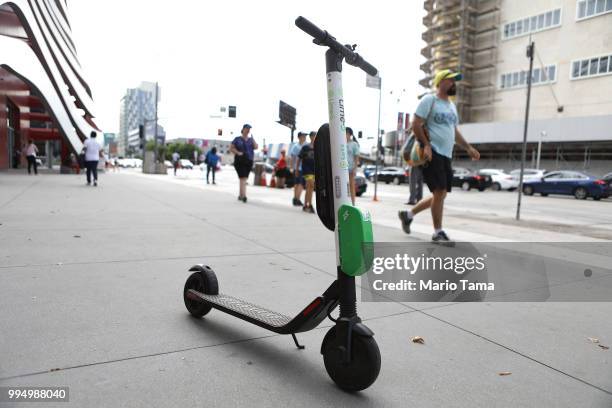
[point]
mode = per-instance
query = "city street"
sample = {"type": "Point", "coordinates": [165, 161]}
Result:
{"type": "Point", "coordinates": [469, 215]}
{"type": "Point", "coordinates": [91, 284]}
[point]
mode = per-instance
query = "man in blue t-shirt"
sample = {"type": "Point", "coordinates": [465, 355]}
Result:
{"type": "Point", "coordinates": [435, 127]}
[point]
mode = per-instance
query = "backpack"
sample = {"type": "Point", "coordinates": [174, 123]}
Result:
{"type": "Point", "coordinates": [412, 152]}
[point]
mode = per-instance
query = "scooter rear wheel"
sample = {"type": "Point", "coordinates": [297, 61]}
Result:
{"type": "Point", "coordinates": [364, 367]}
{"type": "Point", "coordinates": [204, 282]}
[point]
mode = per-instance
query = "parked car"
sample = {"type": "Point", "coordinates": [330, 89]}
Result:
{"type": "Point", "coordinates": [528, 174]}
{"type": "Point", "coordinates": [185, 164]}
{"type": "Point", "coordinates": [574, 183]}
{"type": "Point", "coordinates": [467, 179]}
{"type": "Point", "coordinates": [361, 185]}
{"type": "Point", "coordinates": [608, 179]}
{"type": "Point", "coordinates": [395, 175]}
{"type": "Point", "coordinates": [368, 171]}
{"type": "Point", "coordinates": [500, 179]}
{"type": "Point", "coordinates": [168, 164]}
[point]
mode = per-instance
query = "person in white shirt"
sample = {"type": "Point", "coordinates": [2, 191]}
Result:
{"type": "Point", "coordinates": [93, 153]}
{"type": "Point", "coordinates": [176, 157]}
{"type": "Point", "coordinates": [31, 152]}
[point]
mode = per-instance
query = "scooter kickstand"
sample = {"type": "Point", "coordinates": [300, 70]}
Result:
{"type": "Point", "coordinates": [298, 345]}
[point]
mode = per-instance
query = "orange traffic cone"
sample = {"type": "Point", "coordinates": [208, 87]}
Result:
{"type": "Point", "coordinates": [273, 182]}
{"type": "Point", "coordinates": [262, 180]}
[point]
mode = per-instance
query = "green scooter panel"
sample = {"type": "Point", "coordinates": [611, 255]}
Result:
{"type": "Point", "coordinates": [355, 229]}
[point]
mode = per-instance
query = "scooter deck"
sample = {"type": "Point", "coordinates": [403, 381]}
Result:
{"type": "Point", "coordinates": [309, 318]}
{"type": "Point", "coordinates": [246, 309]}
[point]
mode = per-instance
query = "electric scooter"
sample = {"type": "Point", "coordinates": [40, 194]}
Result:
{"type": "Point", "coordinates": [350, 353]}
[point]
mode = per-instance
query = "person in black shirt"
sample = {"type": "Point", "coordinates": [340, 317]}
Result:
{"type": "Point", "coordinates": [307, 165]}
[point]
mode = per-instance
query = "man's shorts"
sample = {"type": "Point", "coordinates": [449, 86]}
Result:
{"type": "Point", "coordinates": [308, 177]}
{"type": "Point", "coordinates": [438, 173]}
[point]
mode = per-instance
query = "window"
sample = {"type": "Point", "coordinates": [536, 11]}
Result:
{"type": "Point", "coordinates": [603, 65]}
{"type": "Point", "coordinates": [531, 24]}
{"type": "Point", "coordinates": [584, 68]}
{"type": "Point", "coordinates": [549, 18]}
{"type": "Point", "coordinates": [581, 9]}
{"type": "Point", "coordinates": [576, 69]}
{"type": "Point", "coordinates": [591, 8]}
{"type": "Point", "coordinates": [540, 76]}
{"type": "Point", "coordinates": [593, 66]}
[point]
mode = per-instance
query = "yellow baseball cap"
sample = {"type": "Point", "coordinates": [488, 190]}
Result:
{"type": "Point", "coordinates": [446, 74]}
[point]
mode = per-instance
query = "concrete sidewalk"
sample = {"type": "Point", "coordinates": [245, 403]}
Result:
{"type": "Point", "coordinates": [91, 287]}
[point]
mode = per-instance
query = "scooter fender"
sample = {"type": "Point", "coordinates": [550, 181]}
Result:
{"type": "Point", "coordinates": [358, 329]}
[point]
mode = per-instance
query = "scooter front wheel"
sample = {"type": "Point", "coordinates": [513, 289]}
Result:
{"type": "Point", "coordinates": [361, 371]}
{"type": "Point", "coordinates": [204, 281]}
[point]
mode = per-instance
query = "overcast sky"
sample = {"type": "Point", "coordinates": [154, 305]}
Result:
{"type": "Point", "coordinates": [249, 54]}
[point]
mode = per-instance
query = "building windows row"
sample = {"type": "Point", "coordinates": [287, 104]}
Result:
{"type": "Point", "coordinates": [532, 24]}
{"type": "Point", "coordinates": [594, 66]}
{"type": "Point", "coordinates": [518, 79]}
{"type": "Point", "coordinates": [589, 8]}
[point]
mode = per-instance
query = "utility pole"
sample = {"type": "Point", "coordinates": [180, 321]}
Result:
{"type": "Point", "coordinates": [530, 52]}
{"type": "Point", "coordinates": [155, 151]}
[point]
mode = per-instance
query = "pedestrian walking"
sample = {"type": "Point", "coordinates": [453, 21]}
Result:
{"type": "Point", "coordinates": [176, 160]}
{"type": "Point", "coordinates": [243, 147]}
{"type": "Point", "coordinates": [352, 150]}
{"type": "Point", "coordinates": [298, 179]}
{"type": "Point", "coordinates": [281, 170]}
{"type": "Point", "coordinates": [93, 153]}
{"type": "Point", "coordinates": [211, 161]}
{"type": "Point", "coordinates": [31, 153]}
{"type": "Point", "coordinates": [435, 126]}
{"type": "Point", "coordinates": [416, 185]}
{"type": "Point", "coordinates": [307, 164]}
{"type": "Point", "coordinates": [16, 157]}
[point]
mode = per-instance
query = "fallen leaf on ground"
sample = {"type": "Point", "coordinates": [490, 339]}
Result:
{"type": "Point", "coordinates": [76, 236]}
{"type": "Point", "coordinates": [604, 347]}
{"type": "Point", "coordinates": [505, 373]}
{"type": "Point", "coordinates": [418, 339]}
{"type": "Point", "coordinates": [593, 339]}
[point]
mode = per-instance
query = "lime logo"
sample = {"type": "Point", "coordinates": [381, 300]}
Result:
{"type": "Point", "coordinates": [345, 215]}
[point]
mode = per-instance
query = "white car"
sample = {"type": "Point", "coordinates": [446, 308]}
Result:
{"type": "Point", "coordinates": [528, 174]}
{"type": "Point", "coordinates": [500, 179]}
{"type": "Point", "coordinates": [185, 164]}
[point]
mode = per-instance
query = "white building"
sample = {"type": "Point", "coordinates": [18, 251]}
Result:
{"type": "Point", "coordinates": [137, 106]}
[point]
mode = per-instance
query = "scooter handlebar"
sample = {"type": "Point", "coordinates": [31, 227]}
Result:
{"type": "Point", "coordinates": [309, 28]}
{"type": "Point", "coordinates": [322, 37]}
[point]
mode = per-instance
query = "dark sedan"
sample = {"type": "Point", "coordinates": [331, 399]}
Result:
{"type": "Point", "coordinates": [580, 185]}
{"type": "Point", "coordinates": [395, 175]}
{"type": "Point", "coordinates": [467, 179]}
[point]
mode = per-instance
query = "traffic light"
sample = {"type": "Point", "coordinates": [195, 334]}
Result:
{"type": "Point", "coordinates": [360, 134]}
{"type": "Point", "coordinates": [219, 132]}
{"type": "Point", "coordinates": [232, 112]}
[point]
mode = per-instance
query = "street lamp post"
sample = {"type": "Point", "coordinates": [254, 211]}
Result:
{"type": "Point", "coordinates": [542, 135]}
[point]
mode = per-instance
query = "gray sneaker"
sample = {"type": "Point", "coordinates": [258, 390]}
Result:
{"type": "Point", "coordinates": [406, 221]}
{"type": "Point", "coordinates": [442, 238]}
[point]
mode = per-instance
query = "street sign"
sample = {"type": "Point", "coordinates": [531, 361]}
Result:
{"type": "Point", "coordinates": [286, 114]}
{"type": "Point", "coordinates": [373, 81]}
